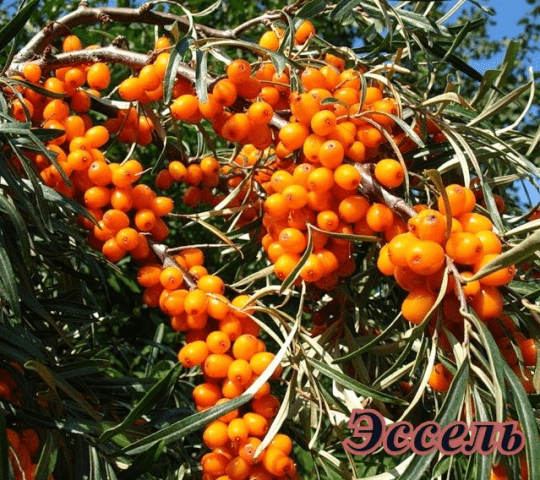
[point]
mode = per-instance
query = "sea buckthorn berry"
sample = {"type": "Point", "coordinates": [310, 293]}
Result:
{"type": "Point", "coordinates": [225, 92]}
{"type": "Point", "coordinates": [237, 469]}
{"type": "Point", "coordinates": [276, 462]}
{"type": "Point", "coordinates": [218, 307]}
{"type": "Point", "coordinates": [216, 435]}
{"type": "Point", "coordinates": [177, 170]}
{"type": "Point", "coordinates": [245, 347]}
{"type": "Point", "coordinates": [196, 302]}
{"type": "Point", "coordinates": [398, 248]}
{"type": "Point", "coordinates": [281, 180]}
{"type": "Point", "coordinates": [269, 40]}
{"type": "Point", "coordinates": [285, 264]}
{"type": "Point", "coordinates": [216, 365]}
{"type": "Point", "coordinates": [313, 269]}
{"type": "Point", "coordinates": [192, 257]}
{"type": "Point", "coordinates": [260, 361]}
{"type": "Point", "coordinates": [429, 225]}
{"type": "Point", "coordinates": [260, 112]}
{"type": "Point", "coordinates": [218, 342]}
{"type": "Point", "coordinates": [490, 242]}
{"type": "Point", "coordinates": [296, 196]}
{"type": "Point", "coordinates": [131, 89]}
{"type": "Point", "coordinates": [499, 277]}
{"type": "Point", "coordinates": [440, 378]}
{"type": "Point", "coordinates": [71, 43]}
{"type": "Point", "coordinates": [240, 303]}
{"type": "Point", "coordinates": [238, 70]}
{"type": "Point", "coordinates": [293, 135]}
{"type": "Point", "coordinates": [238, 430]}
{"type": "Point", "coordinates": [32, 72]}
{"type": "Point", "coordinates": [425, 257]}
{"type": "Point", "coordinates": [211, 284]}
{"type": "Point", "coordinates": [389, 173]}
{"type": "Point", "coordinates": [488, 303]}
{"type": "Point", "coordinates": [98, 136]}
{"type": "Point", "coordinates": [469, 288]}
{"type": "Point", "coordinates": [148, 276]}
{"type": "Point", "coordinates": [528, 351]}
{"type": "Point", "coordinates": [323, 123]}
{"type": "Point", "coordinates": [145, 220]}
{"type": "Point", "coordinates": [127, 238]}
{"type": "Point", "coordinates": [236, 128]}
{"type": "Point", "coordinates": [240, 372]}
{"type": "Point", "coordinates": [464, 248]}
{"type": "Point", "coordinates": [214, 464]}
{"type": "Point", "coordinates": [161, 206]}
{"type": "Point", "coordinates": [149, 77]}
{"type": "Point", "coordinates": [79, 160]}
{"type": "Point", "coordinates": [417, 304]}
{"type": "Point", "coordinates": [97, 197]}
{"type": "Point", "coordinates": [379, 217]}
{"type": "Point", "coordinates": [457, 198]}
{"type": "Point", "coordinates": [474, 222]}
{"type": "Point", "coordinates": [327, 220]}
{"type": "Point", "coordinates": [112, 251]}
{"type": "Point", "coordinates": [56, 110]}
{"type": "Point", "coordinates": [75, 78]}
{"type": "Point", "coordinates": [266, 405]}
{"type": "Point", "coordinates": [384, 264]}
{"type": "Point", "coordinates": [353, 208]}
{"type": "Point", "coordinates": [171, 278]}
{"type": "Point", "coordinates": [173, 304]}
{"type": "Point", "coordinates": [331, 154]}
{"type": "Point", "coordinates": [257, 424]}
{"type": "Point", "coordinates": [304, 31]}
{"type": "Point", "coordinates": [347, 177]}
{"type": "Point", "coordinates": [321, 180]}
{"type": "Point", "coordinates": [293, 240]}
{"type": "Point", "coordinates": [193, 353]}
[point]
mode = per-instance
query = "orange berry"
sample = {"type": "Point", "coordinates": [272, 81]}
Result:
{"type": "Point", "coordinates": [457, 198]}
{"type": "Point", "coordinates": [304, 31]}
{"type": "Point", "coordinates": [490, 242]}
{"type": "Point", "coordinates": [389, 173]}
{"type": "Point", "coordinates": [293, 135]}
{"type": "Point", "coordinates": [238, 70]}
{"type": "Point", "coordinates": [425, 257]}
{"type": "Point", "coordinates": [293, 240]}
{"type": "Point", "coordinates": [32, 72]}
{"type": "Point", "coordinates": [193, 353]}
{"type": "Point", "coordinates": [285, 264]}
{"type": "Point", "coordinates": [216, 365]}
{"type": "Point", "coordinates": [127, 238]}
{"type": "Point", "coordinates": [440, 378]}
{"type": "Point", "coordinates": [71, 43]}
{"type": "Point", "coordinates": [499, 277]}
{"type": "Point", "coordinates": [269, 40]}
{"type": "Point", "coordinates": [465, 248]}
{"type": "Point", "coordinates": [417, 304]}
{"type": "Point", "coordinates": [196, 302]}
{"type": "Point", "coordinates": [347, 177]}
{"type": "Point", "coordinates": [488, 303]}
{"type": "Point", "coordinates": [379, 217]}
{"type": "Point", "coordinates": [474, 222]}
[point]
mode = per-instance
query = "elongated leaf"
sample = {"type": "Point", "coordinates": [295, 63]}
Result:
{"type": "Point", "coordinates": [447, 414]}
{"type": "Point", "coordinates": [147, 401]}
{"type": "Point", "coordinates": [311, 8]}
{"type": "Point", "coordinates": [201, 79]}
{"type": "Point", "coordinates": [8, 284]}
{"type": "Point", "coordinates": [515, 255]}
{"type": "Point", "coordinates": [13, 27]}
{"type": "Point", "coordinates": [47, 458]}
{"type": "Point", "coordinates": [19, 225]}
{"type": "Point", "coordinates": [353, 385]}
{"type": "Point", "coordinates": [527, 421]}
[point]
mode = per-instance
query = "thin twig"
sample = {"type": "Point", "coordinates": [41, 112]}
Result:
{"type": "Point", "coordinates": [162, 252]}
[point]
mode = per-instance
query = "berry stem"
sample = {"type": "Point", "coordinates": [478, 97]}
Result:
{"type": "Point", "coordinates": [162, 252]}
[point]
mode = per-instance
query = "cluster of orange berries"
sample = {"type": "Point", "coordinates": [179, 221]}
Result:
{"type": "Point", "coordinates": [223, 339]}
{"type": "Point", "coordinates": [417, 260]}
{"type": "Point", "coordinates": [23, 445]}
{"type": "Point", "coordinates": [220, 335]}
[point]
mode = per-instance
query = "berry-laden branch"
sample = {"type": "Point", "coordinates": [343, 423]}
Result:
{"type": "Point", "coordinates": [85, 16]}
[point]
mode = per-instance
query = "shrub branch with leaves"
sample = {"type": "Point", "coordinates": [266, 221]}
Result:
{"type": "Point", "coordinates": [321, 234]}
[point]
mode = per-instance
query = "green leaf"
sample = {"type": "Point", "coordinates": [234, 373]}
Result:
{"type": "Point", "coordinates": [311, 8]}
{"type": "Point", "coordinates": [18, 223]}
{"type": "Point", "coordinates": [354, 385]}
{"type": "Point", "coordinates": [483, 462]}
{"type": "Point", "coordinates": [527, 421]}
{"type": "Point", "coordinates": [12, 28]}
{"type": "Point", "coordinates": [143, 462]}
{"type": "Point", "coordinates": [201, 76]}
{"type": "Point", "coordinates": [47, 458]}
{"type": "Point", "coordinates": [447, 414]}
{"type": "Point", "coordinates": [146, 402]}
{"type": "Point", "coordinates": [515, 255]}
{"type": "Point", "coordinates": [8, 284]}
{"type": "Point", "coordinates": [177, 53]}
{"type": "Point", "coordinates": [487, 82]}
